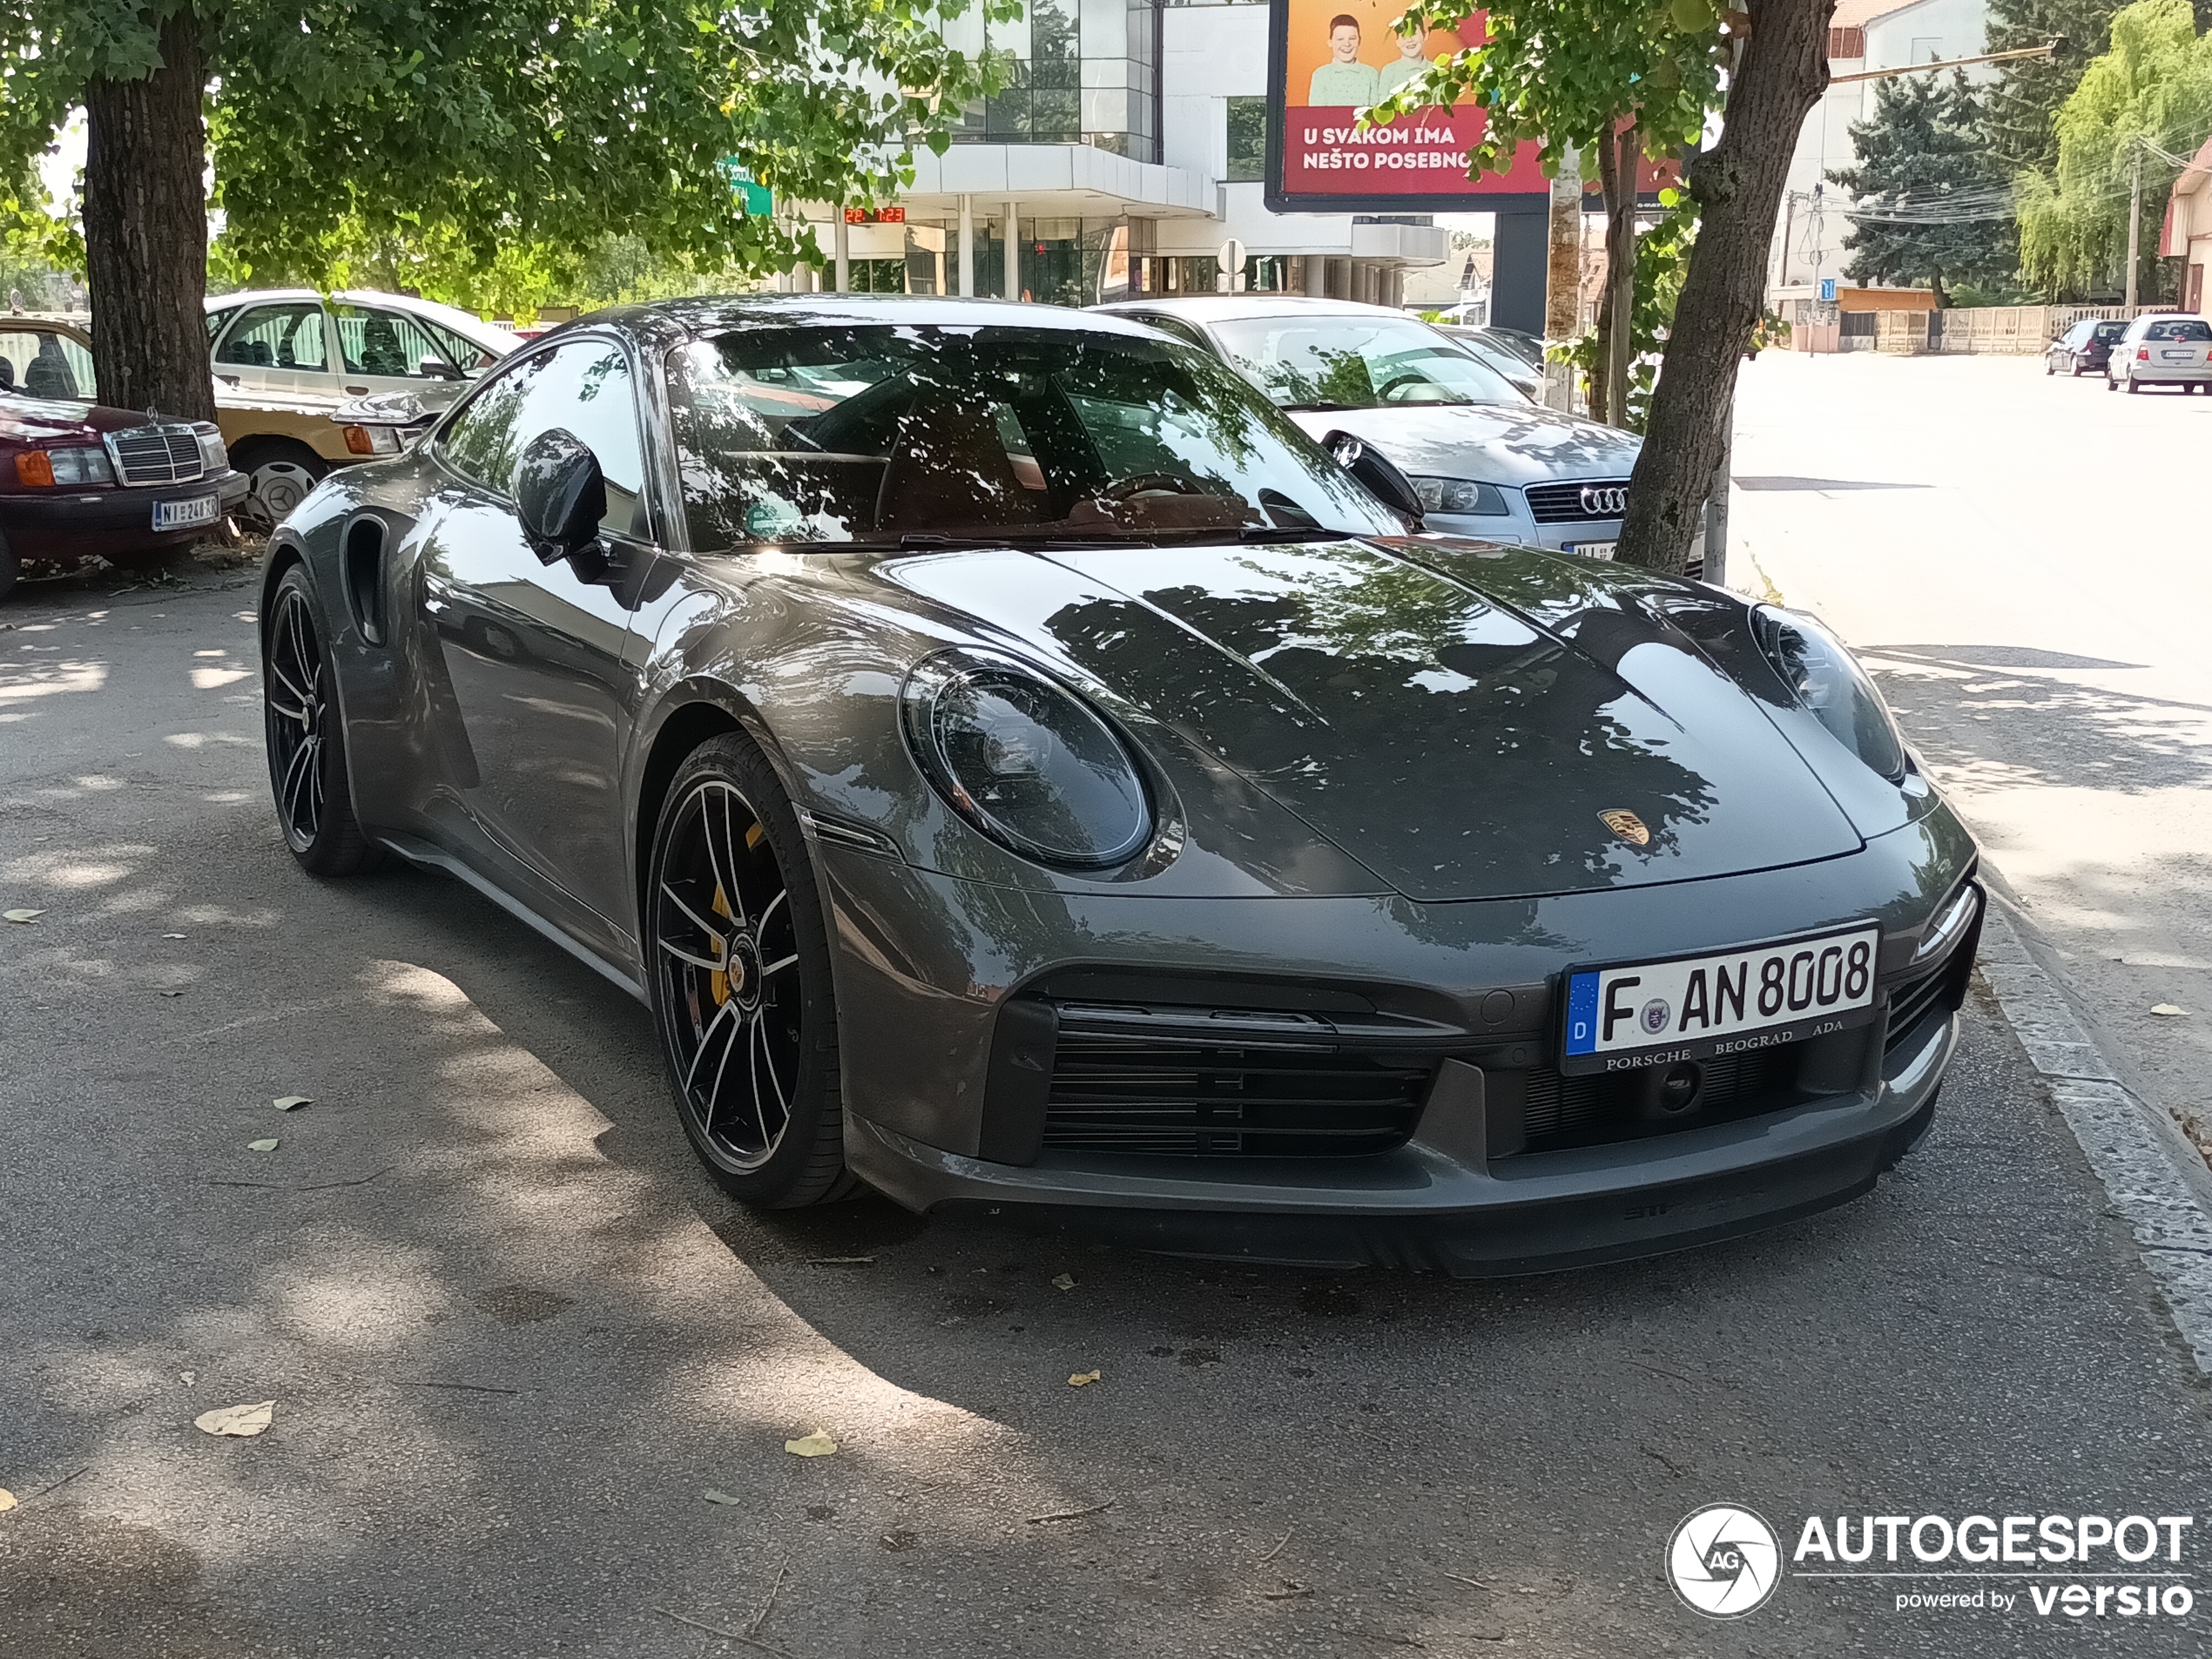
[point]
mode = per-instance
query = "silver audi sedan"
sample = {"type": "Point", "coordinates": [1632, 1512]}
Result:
{"type": "Point", "coordinates": [1485, 460]}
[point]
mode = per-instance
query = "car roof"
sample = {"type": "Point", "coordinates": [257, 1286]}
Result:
{"type": "Point", "coordinates": [1221, 307]}
{"type": "Point", "coordinates": [707, 314]}
{"type": "Point", "coordinates": [2149, 317]}
{"type": "Point", "coordinates": [466, 323]}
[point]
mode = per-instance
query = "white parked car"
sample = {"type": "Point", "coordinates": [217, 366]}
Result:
{"type": "Point", "coordinates": [285, 358]}
{"type": "Point", "coordinates": [2164, 348]}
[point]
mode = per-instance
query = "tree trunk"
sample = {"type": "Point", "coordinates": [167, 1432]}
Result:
{"type": "Point", "coordinates": [1621, 272]}
{"type": "Point", "coordinates": [1738, 185]}
{"type": "Point", "coordinates": [146, 230]}
{"type": "Point", "coordinates": [1603, 329]}
{"type": "Point", "coordinates": [1563, 277]}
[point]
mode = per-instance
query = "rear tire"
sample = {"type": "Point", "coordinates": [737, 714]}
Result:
{"type": "Point", "coordinates": [739, 961]}
{"type": "Point", "coordinates": [2133, 386]}
{"type": "Point", "coordinates": [10, 566]}
{"type": "Point", "coordinates": [307, 738]}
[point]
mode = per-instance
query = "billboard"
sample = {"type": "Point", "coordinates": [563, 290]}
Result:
{"type": "Point", "coordinates": [1326, 58]}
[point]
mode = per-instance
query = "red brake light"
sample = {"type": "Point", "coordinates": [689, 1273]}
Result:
{"type": "Point", "coordinates": [2143, 353]}
{"type": "Point", "coordinates": [35, 468]}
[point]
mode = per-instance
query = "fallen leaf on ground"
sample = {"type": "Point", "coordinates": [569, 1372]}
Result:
{"type": "Point", "coordinates": [2167, 1009]}
{"type": "Point", "coordinates": [7, 1500]}
{"type": "Point", "coordinates": [244, 1420]}
{"type": "Point", "coordinates": [188, 1378]}
{"type": "Point", "coordinates": [1084, 1378]}
{"type": "Point", "coordinates": [293, 1103]}
{"type": "Point", "coordinates": [261, 1146]}
{"type": "Point", "coordinates": [173, 993]}
{"type": "Point", "coordinates": [22, 915]}
{"type": "Point", "coordinates": [172, 936]}
{"type": "Point", "coordinates": [1065, 1282]}
{"type": "Point", "coordinates": [815, 1445]}
{"type": "Point", "coordinates": [715, 1495]}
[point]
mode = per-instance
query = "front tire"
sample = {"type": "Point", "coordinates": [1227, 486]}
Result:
{"type": "Point", "coordinates": [307, 738]}
{"type": "Point", "coordinates": [740, 974]}
{"type": "Point", "coordinates": [279, 473]}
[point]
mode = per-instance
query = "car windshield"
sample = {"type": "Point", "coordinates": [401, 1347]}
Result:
{"type": "Point", "coordinates": [907, 436]}
{"type": "Point", "coordinates": [1357, 362]}
{"type": "Point", "coordinates": [2108, 332]}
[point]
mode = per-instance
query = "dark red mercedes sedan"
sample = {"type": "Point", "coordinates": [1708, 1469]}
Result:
{"type": "Point", "coordinates": [78, 478]}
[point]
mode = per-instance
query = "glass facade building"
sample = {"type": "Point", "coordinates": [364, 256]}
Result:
{"type": "Point", "coordinates": [1084, 71]}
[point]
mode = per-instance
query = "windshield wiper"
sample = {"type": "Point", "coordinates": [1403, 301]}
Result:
{"type": "Point", "coordinates": [1315, 409]}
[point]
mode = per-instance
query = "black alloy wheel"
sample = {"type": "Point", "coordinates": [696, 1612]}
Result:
{"type": "Point", "coordinates": [306, 741]}
{"type": "Point", "coordinates": [741, 982]}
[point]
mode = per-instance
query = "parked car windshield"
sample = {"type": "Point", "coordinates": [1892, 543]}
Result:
{"type": "Point", "coordinates": [899, 435]}
{"type": "Point", "coordinates": [2108, 332]}
{"type": "Point", "coordinates": [1357, 362]}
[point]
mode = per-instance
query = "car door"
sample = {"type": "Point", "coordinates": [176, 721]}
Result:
{"type": "Point", "coordinates": [539, 658]}
{"type": "Point", "coordinates": [278, 346]}
{"type": "Point", "coordinates": [384, 350]}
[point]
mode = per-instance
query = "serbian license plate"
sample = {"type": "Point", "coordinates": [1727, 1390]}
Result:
{"type": "Point", "coordinates": [1693, 1008]}
{"type": "Point", "coordinates": [182, 515]}
{"type": "Point", "coordinates": [1591, 549]}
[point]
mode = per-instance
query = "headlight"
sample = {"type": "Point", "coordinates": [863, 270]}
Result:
{"type": "Point", "coordinates": [214, 456]}
{"type": "Point", "coordinates": [84, 464]}
{"type": "Point", "coordinates": [1826, 679]}
{"type": "Point", "coordinates": [1027, 764]}
{"type": "Point", "coordinates": [1462, 496]}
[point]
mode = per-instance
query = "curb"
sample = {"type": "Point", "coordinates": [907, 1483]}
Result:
{"type": "Point", "coordinates": [2137, 1163]}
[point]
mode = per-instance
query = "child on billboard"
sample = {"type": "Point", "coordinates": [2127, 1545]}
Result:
{"type": "Point", "coordinates": [1344, 79]}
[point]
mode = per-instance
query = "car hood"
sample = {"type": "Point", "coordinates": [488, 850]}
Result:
{"type": "Point", "coordinates": [1497, 443]}
{"type": "Point", "coordinates": [33, 419]}
{"type": "Point", "coordinates": [1467, 721]}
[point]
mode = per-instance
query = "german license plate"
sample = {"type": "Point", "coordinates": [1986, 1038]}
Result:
{"type": "Point", "coordinates": [1591, 549]}
{"type": "Point", "coordinates": [1693, 1008]}
{"type": "Point", "coordinates": [182, 515]}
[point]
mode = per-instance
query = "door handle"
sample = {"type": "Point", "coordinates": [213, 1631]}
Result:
{"type": "Point", "coordinates": [357, 390]}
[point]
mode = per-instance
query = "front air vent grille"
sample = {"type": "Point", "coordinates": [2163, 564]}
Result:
{"type": "Point", "coordinates": [1581, 503]}
{"type": "Point", "coordinates": [1112, 1094]}
{"type": "Point", "coordinates": [156, 455]}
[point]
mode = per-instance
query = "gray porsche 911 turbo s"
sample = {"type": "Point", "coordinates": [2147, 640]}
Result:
{"type": "Point", "coordinates": [1020, 770]}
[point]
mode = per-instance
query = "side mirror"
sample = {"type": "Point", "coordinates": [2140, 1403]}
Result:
{"type": "Point", "coordinates": [559, 494]}
{"type": "Point", "coordinates": [1376, 471]}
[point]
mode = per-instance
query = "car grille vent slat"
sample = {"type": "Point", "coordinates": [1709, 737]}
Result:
{"type": "Point", "coordinates": [168, 453]}
{"type": "Point", "coordinates": [1582, 501]}
{"type": "Point", "coordinates": [1139, 1094]}
{"type": "Point", "coordinates": [1909, 1004]}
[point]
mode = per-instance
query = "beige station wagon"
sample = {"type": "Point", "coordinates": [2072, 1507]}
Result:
{"type": "Point", "coordinates": [285, 359]}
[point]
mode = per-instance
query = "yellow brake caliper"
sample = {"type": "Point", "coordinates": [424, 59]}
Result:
{"type": "Point", "coordinates": [718, 981]}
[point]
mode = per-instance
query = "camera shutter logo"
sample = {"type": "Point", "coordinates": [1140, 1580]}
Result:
{"type": "Point", "coordinates": [1723, 1562]}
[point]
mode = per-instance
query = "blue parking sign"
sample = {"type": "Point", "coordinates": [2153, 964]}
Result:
{"type": "Point", "coordinates": [1827, 291]}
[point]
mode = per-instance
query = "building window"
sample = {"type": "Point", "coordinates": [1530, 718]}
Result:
{"type": "Point", "coordinates": [1847, 43]}
{"type": "Point", "coordinates": [1247, 139]}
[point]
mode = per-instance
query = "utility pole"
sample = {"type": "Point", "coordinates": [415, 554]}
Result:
{"type": "Point", "coordinates": [2134, 214]}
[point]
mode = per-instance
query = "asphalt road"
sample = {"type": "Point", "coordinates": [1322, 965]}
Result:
{"type": "Point", "coordinates": [514, 1336]}
{"type": "Point", "coordinates": [2022, 559]}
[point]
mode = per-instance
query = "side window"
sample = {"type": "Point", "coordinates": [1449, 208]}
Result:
{"type": "Point", "coordinates": [1182, 330]}
{"type": "Point", "coordinates": [39, 362]}
{"type": "Point", "coordinates": [584, 386]}
{"type": "Point", "coordinates": [285, 336]}
{"type": "Point", "coordinates": [393, 343]}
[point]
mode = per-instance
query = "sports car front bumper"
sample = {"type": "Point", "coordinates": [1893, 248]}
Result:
{"type": "Point", "coordinates": [949, 1060]}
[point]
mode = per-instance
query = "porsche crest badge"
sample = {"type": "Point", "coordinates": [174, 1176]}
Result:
{"type": "Point", "coordinates": [1626, 824]}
